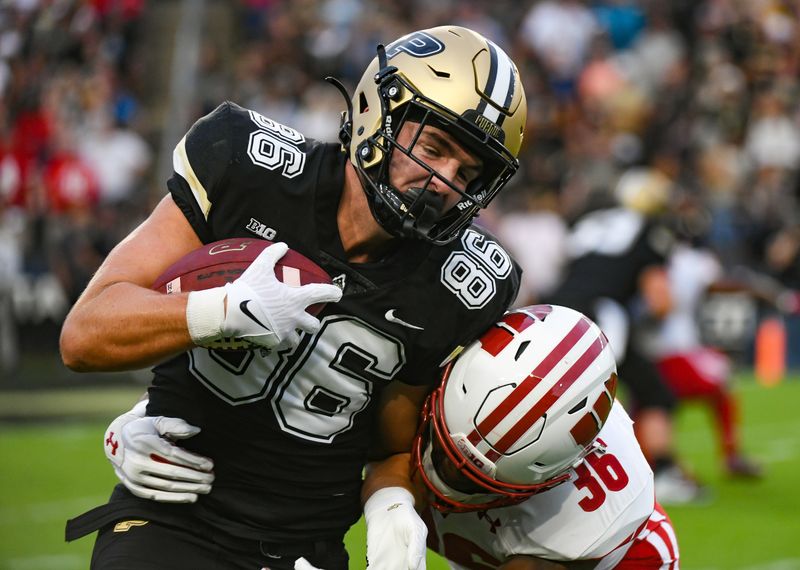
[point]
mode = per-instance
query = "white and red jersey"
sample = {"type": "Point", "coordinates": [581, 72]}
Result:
{"type": "Point", "coordinates": [655, 547]}
{"type": "Point", "coordinates": [594, 515]}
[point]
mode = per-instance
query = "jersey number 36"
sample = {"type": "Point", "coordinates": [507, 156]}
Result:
{"type": "Point", "coordinates": [606, 474]}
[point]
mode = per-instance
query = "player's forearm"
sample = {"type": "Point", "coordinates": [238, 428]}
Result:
{"type": "Point", "coordinates": [394, 471]}
{"type": "Point", "coordinates": [124, 327]}
{"type": "Point", "coordinates": [396, 426]}
{"type": "Point", "coordinates": [533, 563]}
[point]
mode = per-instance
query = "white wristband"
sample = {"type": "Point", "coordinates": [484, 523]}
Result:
{"type": "Point", "coordinates": [386, 498]}
{"type": "Point", "coordinates": [205, 313]}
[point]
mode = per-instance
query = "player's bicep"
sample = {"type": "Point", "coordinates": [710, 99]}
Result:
{"type": "Point", "coordinates": [163, 238]}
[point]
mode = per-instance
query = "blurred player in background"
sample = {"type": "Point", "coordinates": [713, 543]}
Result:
{"type": "Point", "coordinates": [617, 253]}
{"type": "Point", "coordinates": [693, 370]}
{"type": "Point", "coordinates": [431, 136]}
{"type": "Point", "coordinates": [11, 232]}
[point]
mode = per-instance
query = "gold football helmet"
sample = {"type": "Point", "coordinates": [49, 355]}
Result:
{"type": "Point", "coordinates": [456, 80]}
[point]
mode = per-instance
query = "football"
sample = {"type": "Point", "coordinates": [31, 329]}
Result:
{"type": "Point", "coordinates": [221, 262]}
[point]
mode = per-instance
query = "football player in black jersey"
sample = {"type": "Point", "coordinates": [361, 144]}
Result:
{"type": "Point", "coordinates": [431, 136]}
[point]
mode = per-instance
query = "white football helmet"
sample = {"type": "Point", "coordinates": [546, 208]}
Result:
{"type": "Point", "coordinates": [448, 77]}
{"type": "Point", "coordinates": [516, 410]}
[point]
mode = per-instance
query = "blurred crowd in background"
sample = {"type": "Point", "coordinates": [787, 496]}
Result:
{"type": "Point", "coordinates": [699, 97]}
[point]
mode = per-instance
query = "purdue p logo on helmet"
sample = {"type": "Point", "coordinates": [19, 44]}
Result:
{"type": "Point", "coordinates": [456, 80]}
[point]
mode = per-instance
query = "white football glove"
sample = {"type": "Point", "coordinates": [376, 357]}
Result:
{"type": "Point", "coordinates": [303, 564]}
{"type": "Point", "coordinates": [149, 464]}
{"type": "Point", "coordinates": [260, 308]}
{"type": "Point", "coordinates": [395, 532]}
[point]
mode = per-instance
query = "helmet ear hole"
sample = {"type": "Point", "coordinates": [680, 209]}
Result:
{"type": "Point", "coordinates": [363, 105]}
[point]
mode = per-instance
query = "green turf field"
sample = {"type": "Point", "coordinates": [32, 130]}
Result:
{"type": "Point", "coordinates": [49, 472]}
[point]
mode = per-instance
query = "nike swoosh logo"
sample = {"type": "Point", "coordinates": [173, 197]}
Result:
{"type": "Point", "coordinates": [251, 316]}
{"type": "Point", "coordinates": [392, 319]}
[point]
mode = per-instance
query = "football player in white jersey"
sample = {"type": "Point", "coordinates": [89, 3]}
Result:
{"type": "Point", "coordinates": [530, 463]}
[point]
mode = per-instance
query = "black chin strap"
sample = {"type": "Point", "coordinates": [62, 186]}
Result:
{"type": "Point", "coordinates": [425, 209]}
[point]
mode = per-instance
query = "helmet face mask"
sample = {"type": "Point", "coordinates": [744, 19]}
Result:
{"type": "Point", "coordinates": [436, 78]}
{"type": "Point", "coordinates": [516, 411]}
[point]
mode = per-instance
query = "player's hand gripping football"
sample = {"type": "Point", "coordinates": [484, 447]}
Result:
{"type": "Point", "coordinates": [257, 307]}
{"type": "Point", "coordinates": [395, 532]}
{"type": "Point", "coordinates": [147, 461]}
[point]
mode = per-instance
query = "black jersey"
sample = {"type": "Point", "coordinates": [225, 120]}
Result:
{"type": "Point", "coordinates": [289, 430]}
{"type": "Point", "coordinates": [607, 252]}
